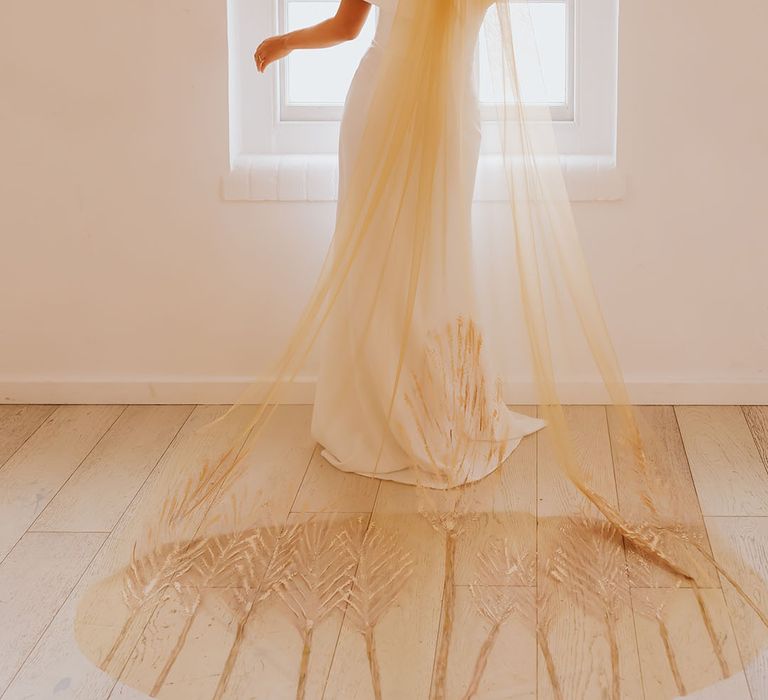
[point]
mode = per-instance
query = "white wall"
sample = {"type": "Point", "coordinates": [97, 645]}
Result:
{"type": "Point", "coordinates": [122, 267]}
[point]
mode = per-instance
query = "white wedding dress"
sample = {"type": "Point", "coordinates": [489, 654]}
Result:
{"type": "Point", "coordinates": [448, 423]}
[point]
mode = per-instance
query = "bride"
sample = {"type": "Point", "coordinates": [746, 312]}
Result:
{"type": "Point", "coordinates": [406, 390]}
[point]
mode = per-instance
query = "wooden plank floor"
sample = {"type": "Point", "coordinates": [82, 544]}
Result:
{"type": "Point", "coordinates": [76, 480]}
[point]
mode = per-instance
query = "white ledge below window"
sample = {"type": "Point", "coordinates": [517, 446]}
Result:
{"type": "Point", "coordinates": [314, 178]}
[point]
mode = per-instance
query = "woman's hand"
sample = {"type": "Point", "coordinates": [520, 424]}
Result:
{"type": "Point", "coordinates": [343, 26]}
{"type": "Point", "coordinates": [269, 51]}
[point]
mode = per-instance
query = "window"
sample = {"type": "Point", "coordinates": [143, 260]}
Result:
{"type": "Point", "coordinates": [313, 85]}
{"type": "Point", "coordinates": [291, 114]}
{"type": "Point", "coordinates": [552, 22]}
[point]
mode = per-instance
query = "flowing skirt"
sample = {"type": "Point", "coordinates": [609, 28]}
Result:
{"type": "Point", "coordinates": [412, 397]}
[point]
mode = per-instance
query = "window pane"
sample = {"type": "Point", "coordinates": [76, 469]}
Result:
{"type": "Point", "coordinates": [544, 79]}
{"type": "Point", "coordinates": [322, 77]}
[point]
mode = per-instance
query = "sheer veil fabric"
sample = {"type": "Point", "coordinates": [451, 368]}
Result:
{"type": "Point", "coordinates": [414, 338]}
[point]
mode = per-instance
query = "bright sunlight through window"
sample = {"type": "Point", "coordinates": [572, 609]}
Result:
{"type": "Point", "coordinates": [322, 77]}
{"type": "Point", "coordinates": [314, 84]}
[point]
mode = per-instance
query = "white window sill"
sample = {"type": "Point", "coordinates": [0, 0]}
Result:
{"type": "Point", "coordinates": [314, 178]}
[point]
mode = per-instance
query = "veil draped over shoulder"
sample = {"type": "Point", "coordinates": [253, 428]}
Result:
{"type": "Point", "coordinates": [426, 338]}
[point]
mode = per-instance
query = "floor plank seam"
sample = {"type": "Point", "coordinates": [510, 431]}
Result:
{"type": "Point", "coordinates": [106, 539]}
{"type": "Point", "coordinates": [43, 632]}
{"type": "Point", "coordinates": [755, 439]}
{"type": "Point", "coordinates": [29, 437]}
{"type": "Point", "coordinates": [78, 466]}
{"type": "Point", "coordinates": [32, 524]}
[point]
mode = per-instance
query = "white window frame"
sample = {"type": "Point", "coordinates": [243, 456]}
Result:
{"type": "Point", "coordinates": [290, 154]}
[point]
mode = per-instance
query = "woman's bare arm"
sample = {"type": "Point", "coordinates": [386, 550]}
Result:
{"type": "Point", "coordinates": [343, 26]}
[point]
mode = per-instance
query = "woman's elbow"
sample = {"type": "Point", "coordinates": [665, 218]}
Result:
{"type": "Point", "coordinates": [349, 31]}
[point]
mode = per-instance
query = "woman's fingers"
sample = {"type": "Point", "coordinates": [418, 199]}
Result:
{"type": "Point", "coordinates": [260, 57]}
{"type": "Point", "coordinates": [269, 51]}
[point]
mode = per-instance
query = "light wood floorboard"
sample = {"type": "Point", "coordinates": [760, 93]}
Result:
{"type": "Point", "coordinates": [79, 483]}
{"type": "Point", "coordinates": [17, 423]}
{"type": "Point", "coordinates": [97, 494]}
{"type": "Point", "coordinates": [35, 473]}
{"type": "Point", "coordinates": [35, 580]}
{"type": "Point", "coordinates": [730, 476]}
{"type": "Point", "coordinates": [57, 664]}
{"type": "Point", "coordinates": [741, 544]}
{"type": "Point", "coordinates": [757, 419]}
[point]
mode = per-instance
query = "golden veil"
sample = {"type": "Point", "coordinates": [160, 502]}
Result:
{"type": "Point", "coordinates": [206, 533]}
